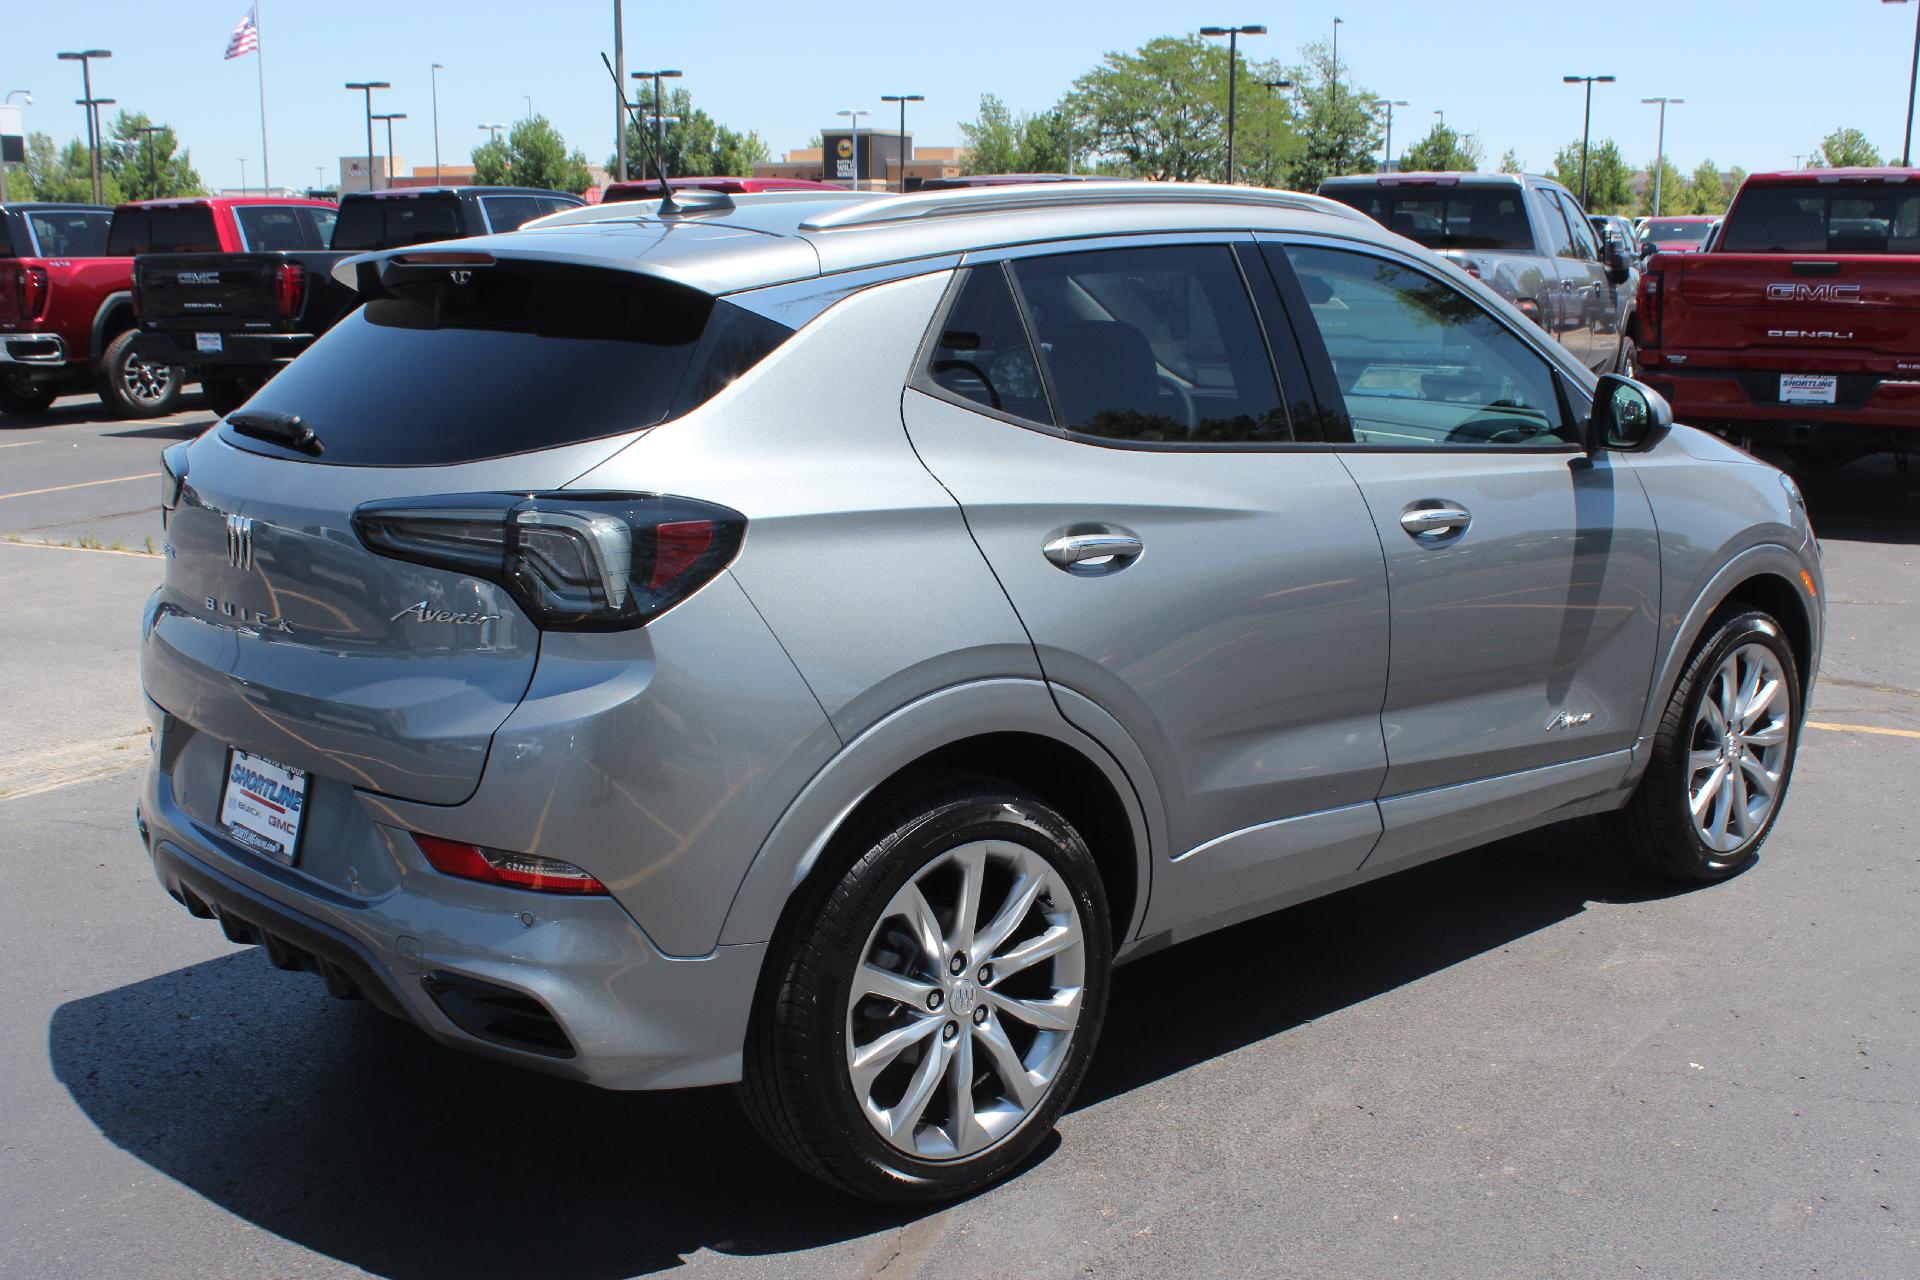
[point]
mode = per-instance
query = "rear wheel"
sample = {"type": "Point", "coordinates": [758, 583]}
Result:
{"type": "Point", "coordinates": [22, 398]}
{"type": "Point", "coordinates": [133, 387]}
{"type": "Point", "coordinates": [1627, 362]}
{"type": "Point", "coordinates": [1722, 757]}
{"type": "Point", "coordinates": [937, 1001]}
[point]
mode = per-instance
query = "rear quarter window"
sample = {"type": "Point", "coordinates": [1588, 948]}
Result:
{"type": "Point", "coordinates": [70, 233]}
{"type": "Point", "coordinates": [395, 222]}
{"type": "Point", "coordinates": [1444, 217]}
{"type": "Point", "coordinates": [277, 228]}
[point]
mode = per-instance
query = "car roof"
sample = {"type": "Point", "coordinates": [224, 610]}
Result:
{"type": "Point", "coordinates": [26, 206]}
{"type": "Point", "coordinates": [1854, 173]}
{"type": "Point", "coordinates": [1433, 178]}
{"type": "Point", "coordinates": [406, 193]}
{"type": "Point", "coordinates": [218, 202]}
{"type": "Point", "coordinates": [726, 244]}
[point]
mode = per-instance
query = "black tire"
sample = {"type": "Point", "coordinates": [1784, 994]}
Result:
{"type": "Point", "coordinates": [797, 1090]}
{"type": "Point", "coordinates": [123, 375]}
{"type": "Point", "coordinates": [224, 395]}
{"type": "Point", "coordinates": [1626, 362]}
{"type": "Point", "coordinates": [21, 401]}
{"type": "Point", "coordinates": [1655, 831]}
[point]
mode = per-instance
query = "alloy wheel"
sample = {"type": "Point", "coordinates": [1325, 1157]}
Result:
{"type": "Point", "coordinates": [146, 383]}
{"type": "Point", "coordinates": [957, 1029]}
{"type": "Point", "coordinates": [1736, 762]}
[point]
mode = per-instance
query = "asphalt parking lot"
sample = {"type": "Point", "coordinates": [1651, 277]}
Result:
{"type": "Point", "coordinates": [1522, 1061]}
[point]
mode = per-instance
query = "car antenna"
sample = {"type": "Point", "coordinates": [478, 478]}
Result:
{"type": "Point", "coordinates": [667, 205]}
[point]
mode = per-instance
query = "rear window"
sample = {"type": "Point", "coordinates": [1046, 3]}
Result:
{"type": "Point", "coordinates": [1664, 230]}
{"type": "Point", "coordinates": [518, 358]}
{"type": "Point", "coordinates": [168, 229]}
{"type": "Point", "coordinates": [1824, 219]}
{"type": "Point", "coordinates": [283, 228]}
{"type": "Point", "coordinates": [396, 221]}
{"type": "Point", "coordinates": [64, 233]}
{"type": "Point", "coordinates": [1453, 217]}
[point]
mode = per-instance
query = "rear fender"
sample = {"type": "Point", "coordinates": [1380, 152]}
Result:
{"type": "Point", "coordinates": [105, 323]}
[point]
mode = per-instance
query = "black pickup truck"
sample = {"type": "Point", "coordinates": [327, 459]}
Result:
{"type": "Point", "coordinates": [231, 320]}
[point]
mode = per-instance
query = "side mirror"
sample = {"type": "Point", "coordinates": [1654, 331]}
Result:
{"type": "Point", "coordinates": [1619, 267]}
{"type": "Point", "coordinates": [1627, 416]}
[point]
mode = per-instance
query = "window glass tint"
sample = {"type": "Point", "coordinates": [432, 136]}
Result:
{"type": "Point", "coordinates": [1421, 363]}
{"type": "Point", "coordinates": [276, 228]}
{"type": "Point", "coordinates": [1848, 219]}
{"type": "Point", "coordinates": [506, 213]}
{"type": "Point", "coordinates": [166, 229]}
{"type": "Point", "coordinates": [70, 234]}
{"type": "Point", "coordinates": [1584, 246]}
{"type": "Point", "coordinates": [1667, 230]}
{"type": "Point", "coordinates": [982, 353]}
{"type": "Point", "coordinates": [1153, 345]}
{"type": "Point", "coordinates": [521, 357]}
{"type": "Point", "coordinates": [1444, 217]}
{"type": "Point", "coordinates": [396, 221]}
{"type": "Point", "coordinates": [1553, 224]}
{"type": "Point", "coordinates": [321, 220]}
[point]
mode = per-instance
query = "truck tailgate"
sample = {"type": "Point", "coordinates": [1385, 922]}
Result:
{"type": "Point", "coordinates": [1859, 306]}
{"type": "Point", "coordinates": [225, 291]}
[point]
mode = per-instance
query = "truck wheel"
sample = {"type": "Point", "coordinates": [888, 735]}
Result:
{"type": "Point", "coordinates": [1722, 757]}
{"type": "Point", "coordinates": [23, 399]}
{"type": "Point", "coordinates": [1627, 362]}
{"type": "Point", "coordinates": [224, 395]}
{"type": "Point", "coordinates": [136, 388]}
{"type": "Point", "coordinates": [934, 1005]}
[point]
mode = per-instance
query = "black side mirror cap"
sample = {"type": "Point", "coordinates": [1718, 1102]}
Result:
{"type": "Point", "coordinates": [1627, 417]}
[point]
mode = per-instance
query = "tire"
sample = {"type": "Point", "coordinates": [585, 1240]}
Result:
{"type": "Point", "coordinates": [1658, 830]}
{"type": "Point", "coordinates": [224, 395]}
{"type": "Point", "coordinates": [800, 1087]}
{"type": "Point", "coordinates": [135, 388]}
{"type": "Point", "coordinates": [1627, 362]}
{"type": "Point", "coordinates": [21, 401]}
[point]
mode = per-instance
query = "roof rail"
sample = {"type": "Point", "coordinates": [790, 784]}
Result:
{"type": "Point", "coordinates": [1056, 195]}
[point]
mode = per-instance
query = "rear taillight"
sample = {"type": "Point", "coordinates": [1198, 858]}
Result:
{"type": "Point", "coordinates": [1651, 300]}
{"type": "Point", "coordinates": [289, 289]}
{"type": "Point", "coordinates": [27, 286]}
{"type": "Point", "coordinates": [500, 866]}
{"type": "Point", "coordinates": [575, 562]}
{"type": "Point", "coordinates": [173, 476]}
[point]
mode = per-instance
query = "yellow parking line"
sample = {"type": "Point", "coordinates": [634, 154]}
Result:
{"type": "Point", "coordinates": [1863, 728]}
{"type": "Point", "coordinates": [81, 484]}
{"type": "Point", "coordinates": [20, 444]}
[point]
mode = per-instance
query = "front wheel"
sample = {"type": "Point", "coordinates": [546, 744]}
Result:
{"type": "Point", "coordinates": [1721, 759]}
{"type": "Point", "coordinates": [937, 1001]}
{"type": "Point", "coordinates": [1627, 362]}
{"type": "Point", "coordinates": [133, 387]}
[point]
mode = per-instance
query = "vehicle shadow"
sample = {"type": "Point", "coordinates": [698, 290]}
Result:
{"type": "Point", "coordinates": [348, 1134]}
{"type": "Point", "coordinates": [80, 410]}
{"type": "Point", "coordinates": [1870, 500]}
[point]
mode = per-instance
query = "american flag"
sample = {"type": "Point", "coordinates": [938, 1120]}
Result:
{"type": "Point", "coordinates": [245, 39]}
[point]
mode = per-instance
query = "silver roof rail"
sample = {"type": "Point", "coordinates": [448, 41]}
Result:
{"type": "Point", "coordinates": [1057, 195]}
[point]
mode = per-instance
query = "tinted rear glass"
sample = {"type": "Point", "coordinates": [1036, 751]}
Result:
{"type": "Point", "coordinates": [1667, 229]}
{"type": "Point", "coordinates": [1819, 219]}
{"type": "Point", "coordinates": [506, 213]}
{"type": "Point", "coordinates": [70, 234]}
{"type": "Point", "coordinates": [279, 228]}
{"type": "Point", "coordinates": [517, 359]}
{"type": "Point", "coordinates": [1445, 217]}
{"type": "Point", "coordinates": [169, 229]}
{"type": "Point", "coordinates": [395, 222]}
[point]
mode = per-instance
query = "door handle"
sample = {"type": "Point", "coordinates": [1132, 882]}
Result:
{"type": "Point", "coordinates": [1430, 524]}
{"type": "Point", "coordinates": [1096, 552]}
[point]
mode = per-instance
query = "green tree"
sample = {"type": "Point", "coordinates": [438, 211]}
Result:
{"type": "Point", "coordinates": [696, 145]}
{"type": "Point", "coordinates": [1843, 148]}
{"type": "Point", "coordinates": [60, 173]}
{"type": "Point", "coordinates": [1609, 180]}
{"type": "Point", "coordinates": [1160, 110]}
{"type": "Point", "coordinates": [1674, 197]}
{"type": "Point", "coordinates": [148, 166]}
{"type": "Point", "coordinates": [1338, 119]}
{"type": "Point", "coordinates": [1443, 151]}
{"type": "Point", "coordinates": [1000, 141]}
{"type": "Point", "coordinates": [1510, 162]}
{"type": "Point", "coordinates": [533, 154]}
{"type": "Point", "coordinates": [1706, 193]}
{"type": "Point", "coordinates": [1267, 146]}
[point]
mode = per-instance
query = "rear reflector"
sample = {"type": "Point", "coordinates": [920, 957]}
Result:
{"type": "Point", "coordinates": [500, 866]}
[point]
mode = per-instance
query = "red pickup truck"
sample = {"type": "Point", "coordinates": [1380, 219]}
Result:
{"type": "Point", "coordinates": [67, 322]}
{"type": "Point", "coordinates": [1799, 327]}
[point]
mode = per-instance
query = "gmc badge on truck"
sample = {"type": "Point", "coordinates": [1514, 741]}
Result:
{"type": "Point", "coordinates": [1794, 291]}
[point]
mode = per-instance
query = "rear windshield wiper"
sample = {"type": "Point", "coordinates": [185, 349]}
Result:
{"type": "Point", "coordinates": [288, 429]}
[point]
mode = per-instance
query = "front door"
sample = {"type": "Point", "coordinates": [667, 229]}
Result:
{"type": "Point", "coordinates": [1179, 560]}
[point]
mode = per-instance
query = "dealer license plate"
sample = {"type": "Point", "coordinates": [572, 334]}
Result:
{"type": "Point", "coordinates": [207, 342]}
{"type": "Point", "coordinates": [262, 804]}
{"type": "Point", "coordinates": [1808, 388]}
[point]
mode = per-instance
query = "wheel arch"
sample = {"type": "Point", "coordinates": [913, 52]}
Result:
{"type": "Point", "coordinates": [114, 318]}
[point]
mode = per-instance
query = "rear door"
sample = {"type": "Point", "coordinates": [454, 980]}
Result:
{"type": "Point", "coordinates": [1183, 554]}
{"type": "Point", "coordinates": [1523, 574]}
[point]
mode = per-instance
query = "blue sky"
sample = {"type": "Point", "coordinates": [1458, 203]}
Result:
{"type": "Point", "coordinates": [1763, 79]}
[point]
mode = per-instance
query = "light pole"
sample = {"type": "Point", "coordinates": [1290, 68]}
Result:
{"type": "Point", "coordinates": [28, 94]}
{"type": "Point", "coordinates": [1660, 146]}
{"type": "Point", "coordinates": [1386, 157]}
{"type": "Point", "coordinates": [1440, 115]}
{"type": "Point", "coordinates": [1233, 35]}
{"type": "Point", "coordinates": [529, 98]}
{"type": "Point", "coordinates": [1333, 101]}
{"type": "Point", "coordinates": [85, 59]}
{"type": "Point", "coordinates": [390, 117]}
{"type": "Point", "coordinates": [243, 175]}
{"type": "Point", "coordinates": [153, 160]}
{"type": "Point", "coordinates": [493, 131]}
{"type": "Point", "coordinates": [1586, 126]}
{"type": "Point", "coordinates": [659, 113]}
{"type": "Point", "coordinates": [367, 87]}
{"type": "Point", "coordinates": [434, 76]}
{"type": "Point", "coordinates": [903, 99]}
{"type": "Point", "coordinates": [1913, 79]}
{"type": "Point", "coordinates": [855, 118]}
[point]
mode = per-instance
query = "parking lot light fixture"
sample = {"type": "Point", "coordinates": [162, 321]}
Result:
{"type": "Point", "coordinates": [1386, 153]}
{"type": "Point", "coordinates": [367, 87]}
{"type": "Point", "coordinates": [854, 117]}
{"type": "Point", "coordinates": [1660, 146]}
{"type": "Point", "coordinates": [1913, 80]}
{"type": "Point", "coordinates": [493, 131]}
{"type": "Point", "coordinates": [146, 132]}
{"type": "Point", "coordinates": [85, 58]}
{"type": "Point", "coordinates": [903, 99]}
{"type": "Point", "coordinates": [1586, 127]}
{"type": "Point", "coordinates": [1233, 35]}
{"type": "Point", "coordinates": [659, 112]}
{"type": "Point", "coordinates": [390, 117]}
{"type": "Point", "coordinates": [433, 74]}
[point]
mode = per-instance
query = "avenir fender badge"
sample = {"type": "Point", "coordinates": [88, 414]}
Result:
{"type": "Point", "coordinates": [421, 613]}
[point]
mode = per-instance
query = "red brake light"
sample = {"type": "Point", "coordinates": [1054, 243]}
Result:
{"type": "Point", "coordinates": [498, 866]}
{"type": "Point", "coordinates": [28, 287]}
{"type": "Point", "coordinates": [675, 547]}
{"type": "Point", "coordinates": [289, 289]}
{"type": "Point", "coordinates": [444, 258]}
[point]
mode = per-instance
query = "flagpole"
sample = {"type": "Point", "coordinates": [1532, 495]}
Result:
{"type": "Point", "coordinates": [260, 67]}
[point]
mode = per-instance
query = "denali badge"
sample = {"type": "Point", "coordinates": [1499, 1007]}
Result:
{"type": "Point", "coordinates": [1567, 720]}
{"type": "Point", "coordinates": [1835, 334]}
{"type": "Point", "coordinates": [1797, 292]}
{"type": "Point", "coordinates": [420, 613]}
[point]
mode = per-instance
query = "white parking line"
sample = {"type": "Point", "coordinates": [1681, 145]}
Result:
{"type": "Point", "coordinates": [80, 484]}
{"type": "Point", "coordinates": [20, 444]}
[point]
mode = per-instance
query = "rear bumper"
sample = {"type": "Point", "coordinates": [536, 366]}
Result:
{"type": "Point", "coordinates": [1748, 398]}
{"type": "Point", "coordinates": [43, 350]}
{"type": "Point", "coordinates": [568, 987]}
{"type": "Point", "coordinates": [240, 353]}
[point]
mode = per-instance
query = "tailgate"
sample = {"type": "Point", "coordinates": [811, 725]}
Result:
{"type": "Point", "coordinates": [216, 290]}
{"type": "Point", "coordinates": [1855, 305]}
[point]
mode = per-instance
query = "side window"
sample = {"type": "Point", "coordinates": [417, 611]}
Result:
{"type": "Point", "coordinates": [982, 353]}
{"type": "Point", "coordinates": [506, 213]}
{"type": "Point", "coordinates": [1155, 344]}
{"type": "Point", "coordinates": [1584, 246]}
{"type": "Point", "coordinates": [1559, 241]}
{"type": "Point", "coordinates": [273, 228]}
{"type": "Point", "coordinates": [1421, 363]}
{"type": "Point", "coordinates": [321, 221]}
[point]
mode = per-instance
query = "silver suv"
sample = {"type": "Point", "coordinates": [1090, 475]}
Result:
{"type": "Point", "coordinates": [808, 640]}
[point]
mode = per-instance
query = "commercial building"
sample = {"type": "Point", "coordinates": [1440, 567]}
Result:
{"type": "Point", "coordinates": [870, 162]}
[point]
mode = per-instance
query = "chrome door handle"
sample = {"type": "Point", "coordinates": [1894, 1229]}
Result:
{"type": "Point", "coordinates": [1433, 523]}
{"type": "Point", "coordinates": [1093, 552]}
